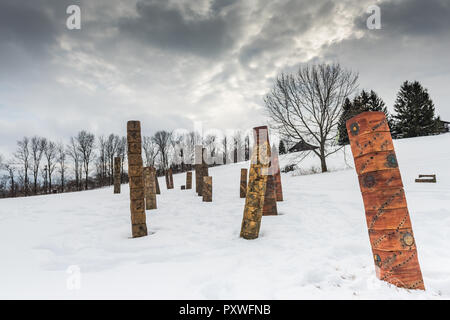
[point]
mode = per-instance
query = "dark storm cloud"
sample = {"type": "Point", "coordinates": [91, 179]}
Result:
{"type": "Point", "coordinates": [22, 23]}
{"type": "Point", "coordinates": [174, 28]}
{"type": "Point", "coordinates": [171, 62]}
{"type": "Point", "coordinates": [430, 18]}
{"type": "Point", "coordinates": [33, 25]}
{"type": "Point", "coordinates": [28, 33]}
{"type": "Point", "coordinates": [413, 44]}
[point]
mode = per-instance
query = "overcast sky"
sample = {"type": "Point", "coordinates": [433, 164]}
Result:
{"type": "Point", "coordinates": [169, 63]}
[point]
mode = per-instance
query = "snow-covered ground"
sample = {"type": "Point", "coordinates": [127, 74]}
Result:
{"type": "Point", "coordinates": [317, 247]}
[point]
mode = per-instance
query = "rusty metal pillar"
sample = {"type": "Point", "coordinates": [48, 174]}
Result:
{"type": "Point", "coordinates": [390, 230]}
{"type": "Point", "coordinates": [198, 162]}
{"type": "Point", "coordinates": [201, 169]}
{"type": "Point", "coordinates": [275, 166]}
{"type": "Point", "coordinates": [150, 188]}
{"type": "Point", "coordinates": [207, 189]}
{"type": "Point", "coordinates": [243, 184]}
{"type": "Point", "coordinates": [256, 200]}
{"type": "Point", "coordinates": [135, 173]}
{"type": "Point", "coordinates": [189, 180]}
{"type": "Point", "coordinates": [117, 163]}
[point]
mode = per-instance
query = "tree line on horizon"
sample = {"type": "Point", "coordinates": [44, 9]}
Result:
{"type": "Point", "coordinates": [41, 166]}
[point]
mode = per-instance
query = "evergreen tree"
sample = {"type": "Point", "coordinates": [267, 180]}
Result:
{"type": "Point", "coordinates": [365, 101]}
{"type": "Point", "coordinates": [414, 111]}
{"type": "Point", "coordinates": [281, 148]}
{"type": "Point", "coordinates": [347, 113]}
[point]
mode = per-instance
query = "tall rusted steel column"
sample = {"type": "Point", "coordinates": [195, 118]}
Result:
{"type": "Point", "coordinates": [207, 189]}
{"type": "Point", "coordinates": [158, 191]}
{"type": "Point", "coordinates": [197, 177]}
{"type": "Point", "coordinates": [117, 163]}
{"type": "Point", "coordinates": [198, 160]}
{"type": "Point", "coordinates": [255, 201]}
{"type": "Point", "coordinates": [202, 169]}
{"type": "Point", "coordinates": [390, 230]}
{"type": "Point", "coordinates": [270, 198]}
{"type": "Point", "coordinates": [150, 188]}
{"type": "Point", "coordinates": [243, 184]}
{"type": "Point", "coordinates": [188, 180]}
{"type": "Point", "coordinates": [275, 166]}
{"type": "Point", "coordinates": [135, 173]}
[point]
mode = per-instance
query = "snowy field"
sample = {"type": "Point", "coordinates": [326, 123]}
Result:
{"type": "Point", "coordinates": [317, 248]}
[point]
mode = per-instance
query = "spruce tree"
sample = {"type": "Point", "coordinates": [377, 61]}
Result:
{"type": "Point", "coordinates": [414, 111]}
{"type": "Point", "coordinates": [281, 148]}
{"type": "Point", "coordinates": [365, 101]}
{"type": "Point", "coordinates": [345, 115]}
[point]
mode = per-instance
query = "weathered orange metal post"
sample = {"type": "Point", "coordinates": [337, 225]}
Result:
{"type": "Point", "coordinates": [189, 180]}
{"type": "Point", "coordinates": [207, 189]}
{"type": "Point", "coordinates": [117, 163]}
{"type": "Point", "coordinates": [136, 177]}
{"type": "Point", "coordinates": [201, 168]}
{"type": "Point", "coordinates": [390, 230]}
{"type": "Point", "coordinates": [243, 185]}
{"type": "Point", "coordinates": [256, 201]}
{"type": "Point", "coordinates": [150, 188]}
{"type": "Point", "coordinates": [275, 165]}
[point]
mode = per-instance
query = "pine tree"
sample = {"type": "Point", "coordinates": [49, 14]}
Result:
{"type": "Point", "coordinates": [414, 111]}
{"type": "Point", "coordinates": [365, 101]}
{"type": "Point", "coordinates": [281, 148]}
{"type": "Point", "coordinates": [347, 111]}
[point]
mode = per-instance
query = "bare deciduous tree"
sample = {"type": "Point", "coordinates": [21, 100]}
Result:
{"type": "Point", "coordinates": [191, 139]}
{"type": "Point", "coordinates": [102, 159]}
{"type": "Point", "coordinates": [150, 151]}
{"type": "Point", "coordinates": [122, 153]}
{"type": "Point", "coordinates": [306, 106]}
{"type": "Point", "coordinates": [112, 145]}
{"type": "Point", "coordinates": [50, 153]}
{"type": "Point", "coordinates": [37, 150]}
{"type": "Point", "coordinates": [238, 147]}
{"type": "Point", "coordinates": [225, 151]}
{"type": "Point", "coordinates": [74, 153]}
{"type": "Point", "coordinates": [10, 168]}
{"type": "Point", "coordinates": [163, 140]}
{"type": "Point", "coordinates": [86, 146]}
{"type": "Point", "coordinates": [61, 159]}
{"type": "Point", "coordinates": [23, 156]}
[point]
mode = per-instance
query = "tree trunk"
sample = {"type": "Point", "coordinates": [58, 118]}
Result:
{"type": "Point", "coordinates": [323, 162]}
{"type": "Point", "coordinates": [13, 190]}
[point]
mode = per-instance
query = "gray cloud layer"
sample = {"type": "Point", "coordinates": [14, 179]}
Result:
{"type": "Point", "coordinates": [169, 63]}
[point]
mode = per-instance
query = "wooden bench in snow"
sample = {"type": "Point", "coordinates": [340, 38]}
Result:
{"type": "Point", "coordinates": [429, 178]}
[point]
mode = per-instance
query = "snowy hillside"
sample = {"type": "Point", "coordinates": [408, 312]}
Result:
{"type": "Point", "coordinates": [317, 247]}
